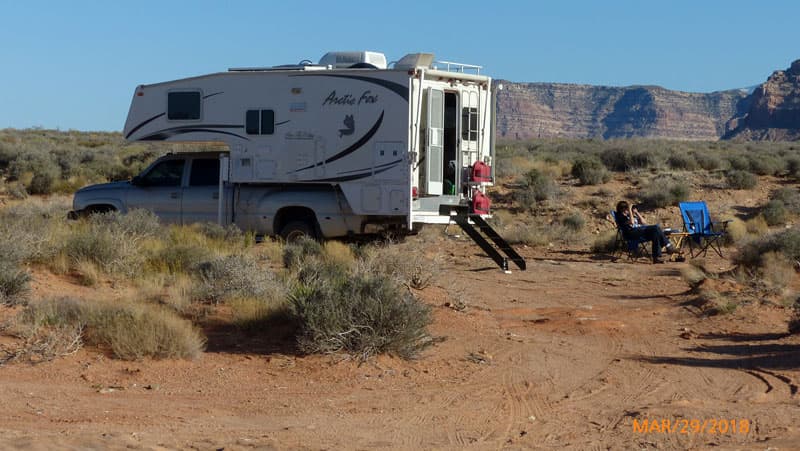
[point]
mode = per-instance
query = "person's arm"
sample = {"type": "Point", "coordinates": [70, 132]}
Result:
{"type": "Point", "coordinates": [638, 216]}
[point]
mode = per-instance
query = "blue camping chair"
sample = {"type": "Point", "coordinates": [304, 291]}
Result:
{"type": "Point", "coordinates": [632, 247]}
{"type": "Point", "coordinates": [703, 232]}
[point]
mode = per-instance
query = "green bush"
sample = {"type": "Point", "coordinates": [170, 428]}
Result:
{"type": "Point", "coordinates": [707, 161]}
{"type": "Point", "coordinates": [664, 191]}
{"type": "Point", "coordinates": [590, 171]}
{"type": "Point", "coordinates": [356, 311]}
{"type": "Point", "coordinates": [738, 179]}
{"type": "Point", "coordinates": [765, 164]}
{"type": "Point", "coordinates": [683, 162]}
{"type": "Point", "coordinates": [775, 213]}
{"type": "Point", "coordinates": [538, 187]}
{"type": "Point", "coordinates": [621, 160]}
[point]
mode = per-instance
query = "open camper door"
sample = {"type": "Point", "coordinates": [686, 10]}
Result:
{"type": "Point", "coordinates": [435, 142]}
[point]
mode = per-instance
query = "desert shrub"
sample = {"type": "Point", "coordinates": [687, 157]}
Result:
{"type": "Point", "coordinates": [217, 232]}
{"type": "Point", "coordinates": [738, 179]}
{"type": "Point", "coordinates": [682, 162]}
{"type": "Point", "coordinates": [258, 314]}
{"type": "Point", "coordinates": [236, 277]}
{"type": "Point", "coordinates": [707, 161]}
{"type": "Point", "coordinates": [775, 213]}
{"type": "Point", "coordinates": [590, 171]}
{"type": "Point", "coordinates": [43, 182]}
{"type": "Point", "coordinates": [393, 261]}
{"type": "Point", "coordinates": [776, 273]}
{"type": "Point", "coordinates": [356, 311]}
{"type": "Point", "coordinates": [787, 242]}
{"type": "Point", "coordinates": [738, 163]}
{"type": "Point", "coordinates": [528, 233]}
{"type": "Point", "coordinates": [14, 282]}
{"type": "Point", "coordinates": [789, 197]}
{"type": "Point", "coordinates": [765, 164]}
{"type": "Point", "coordinates": [112, 241]}
{"type": "Point", "coordinates": [573, 222]}
{"type": "Point", "coordinates": [298, 251]}
{"type": "Point", "coordinates": [793, 167]}
{"type": "Point", "coordinates": [538, 187]}
{"type": "Point", "coordinates": [130, 331]}
{"type": "Point", "coordinates": [621, 160]}
{"type": "Point", "coordinates": [180, 257]}
{"type": "Point", "coordinates": [605, 243]}
{"type": "Point", "coordinates": [664, 191]}
{"type": "Point", "coordinates": [338, 253]}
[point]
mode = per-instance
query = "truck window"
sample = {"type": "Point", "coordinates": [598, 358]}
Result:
{"type": "Point", "coordinates": [166, 173]}
{"type": "Point", "coordinates": [205, 172]}
{"type": "Point", "coordinates": [183, 105]}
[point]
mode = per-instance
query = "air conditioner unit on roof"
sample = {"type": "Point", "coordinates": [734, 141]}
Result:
{"type": "Point", "coordinates": [343, 60]}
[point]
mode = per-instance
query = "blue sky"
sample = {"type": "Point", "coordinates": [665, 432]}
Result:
{"type": "Point", "coordinates": [74, 65]}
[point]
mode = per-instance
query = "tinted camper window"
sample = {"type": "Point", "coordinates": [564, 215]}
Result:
{"type": "Point", "coordinates": [260, 122]}
{"type": "Point", "coordinates": [183, 105]}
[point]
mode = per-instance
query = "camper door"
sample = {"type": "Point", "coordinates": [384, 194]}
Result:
{"type": "Point", "coordinates": [435, 142]}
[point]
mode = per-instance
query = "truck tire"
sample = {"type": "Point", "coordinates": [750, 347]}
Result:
{"type": "Point", "coordinates": [294, 230]}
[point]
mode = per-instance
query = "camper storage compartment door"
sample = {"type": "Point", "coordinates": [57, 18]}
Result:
{"type": "Point", "coordinates": [434, 172]}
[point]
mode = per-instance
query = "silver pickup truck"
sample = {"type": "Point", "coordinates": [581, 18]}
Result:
{"type": "Point", "coordinates": [184, 188]}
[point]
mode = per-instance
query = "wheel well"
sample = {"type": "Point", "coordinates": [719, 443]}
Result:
{"type": "Point", "coordinates": [287, 214]}
{"type": "Point", "coordinates": [98, 208]}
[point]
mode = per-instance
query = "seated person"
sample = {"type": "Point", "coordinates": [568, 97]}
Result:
{"type": "Point", "coordinates": [634, 227]}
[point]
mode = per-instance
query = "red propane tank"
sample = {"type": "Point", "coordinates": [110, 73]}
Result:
{"type": "Point", "coordinates": [480, 203]}
{"type": "Point", "coordinates": [481, 172]}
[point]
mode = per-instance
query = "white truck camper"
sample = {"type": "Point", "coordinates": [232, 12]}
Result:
{"type": "Point", "coordinates": [390, 146]}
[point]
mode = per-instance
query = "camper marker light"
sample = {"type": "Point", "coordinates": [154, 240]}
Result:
{"type": "Point", "coordinates": [414, 192]}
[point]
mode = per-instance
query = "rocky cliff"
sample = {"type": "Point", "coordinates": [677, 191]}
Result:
{"type": "Point", "coordinates": [774, 109]}
{"type": "Point", "coordinates": [546, 110]}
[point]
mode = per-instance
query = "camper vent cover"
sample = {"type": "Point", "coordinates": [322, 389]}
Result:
{"type": "Point", "coordinates": [342, 60]}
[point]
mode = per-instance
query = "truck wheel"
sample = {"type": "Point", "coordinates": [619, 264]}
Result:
{"type": "Point", "coordinates": [294, 230]}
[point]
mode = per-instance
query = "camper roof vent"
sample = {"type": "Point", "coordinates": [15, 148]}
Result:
{"type": "Point", "coordinates": [343, 60]}
{"type": "Point", "coordinates": [414, 60]}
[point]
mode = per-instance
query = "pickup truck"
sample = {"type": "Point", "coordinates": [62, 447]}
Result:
{"type": "Point", "coordinates": [183, 188]}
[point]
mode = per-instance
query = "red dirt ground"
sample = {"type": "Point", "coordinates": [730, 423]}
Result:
{"type": "Point", "coordinates": [576, 352]}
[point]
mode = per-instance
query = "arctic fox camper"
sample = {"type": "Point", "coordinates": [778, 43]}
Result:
{"type": "Point", "coordinates": [392, 146]}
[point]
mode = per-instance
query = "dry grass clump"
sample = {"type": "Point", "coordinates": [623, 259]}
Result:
{"type": "Point", "coordinates": [128, 330]}
{"type": "Point", "coordinates": [408, 264]}
{"type": "Point", "coordinates": [14, 283]}
{"type": "Point", "coordinates": [605, 243]}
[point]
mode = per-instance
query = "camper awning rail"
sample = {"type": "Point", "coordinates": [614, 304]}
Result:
{"type": "Point", "coordinates": [458, 75]}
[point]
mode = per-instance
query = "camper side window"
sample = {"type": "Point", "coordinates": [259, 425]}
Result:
{"type": "Point", "coordinates": [260, 122]}
{"type": "Point", "coordinates": [183, 105]}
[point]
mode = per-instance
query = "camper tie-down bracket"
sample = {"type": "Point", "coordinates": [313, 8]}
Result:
{"type": "Point", "coordinates": [478, 229]}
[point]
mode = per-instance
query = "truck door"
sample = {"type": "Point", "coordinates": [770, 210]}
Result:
{"type": "Point", "coordinates": [435, 142]}
{"type": "Point", "coordinates": [159, 190]}
{"type": "Point", "coordinates": [201, 196]}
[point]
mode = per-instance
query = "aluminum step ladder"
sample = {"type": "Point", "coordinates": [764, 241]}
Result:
{"type": "Point", "coordinates": [479, 230]}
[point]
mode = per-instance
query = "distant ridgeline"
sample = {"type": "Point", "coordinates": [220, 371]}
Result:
{"type": "Point", "coordinates": [550, 110]}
